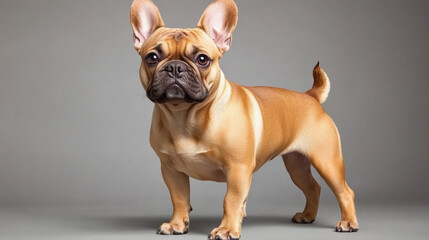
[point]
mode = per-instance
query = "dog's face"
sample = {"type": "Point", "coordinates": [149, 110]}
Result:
{"type": "Point", "coordinates": [181, 65]}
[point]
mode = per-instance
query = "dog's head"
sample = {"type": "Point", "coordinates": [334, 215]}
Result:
{"type": "Point", "coordinates": [181, 65]}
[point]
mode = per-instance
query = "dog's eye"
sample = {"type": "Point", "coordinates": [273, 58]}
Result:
{"type": "Point", "coordinates": [203, 60]}
{"type": "Point", "coordinates": [152, 59]}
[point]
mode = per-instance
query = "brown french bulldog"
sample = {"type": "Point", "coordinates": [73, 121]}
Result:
{"type": "Point", "coordinates": [209, 128]}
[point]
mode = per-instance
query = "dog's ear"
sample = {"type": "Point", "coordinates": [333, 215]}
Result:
{"type": "Point", "coordinates": [219, 21]}
{"type": "Point", "coordinates": [145, 19]}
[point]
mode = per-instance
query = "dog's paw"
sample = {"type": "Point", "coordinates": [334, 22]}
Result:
{"type": "Point", "coordinates": [303, 218]}
{"type": "Point", "coordinates": [223, 233]}
{"type": "Point", "coordinates": [173, 228]}
{"type": "Point", "coordinates": [347, 226]}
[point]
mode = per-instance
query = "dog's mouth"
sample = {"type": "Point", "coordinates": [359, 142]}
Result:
{"type": "Point", "coordinates": [176, 82]}
{"type": "Point", "coordinates": [174, 93]}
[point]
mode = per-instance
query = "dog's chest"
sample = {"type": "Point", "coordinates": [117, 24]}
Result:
{"type": "Point", "coordinates": [192, 157]}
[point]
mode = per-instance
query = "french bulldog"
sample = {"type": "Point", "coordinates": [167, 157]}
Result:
{"type": "Point", "coordinates": [209, 128]}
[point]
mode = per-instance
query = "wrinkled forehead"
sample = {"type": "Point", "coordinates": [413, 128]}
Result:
{"type": "Point", "coordinates": [179, 42]}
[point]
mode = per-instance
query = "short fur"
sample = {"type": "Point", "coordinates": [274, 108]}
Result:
{"type": "Point", "coordinates": [232, 130]}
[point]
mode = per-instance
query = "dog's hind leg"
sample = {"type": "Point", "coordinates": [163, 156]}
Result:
{"type": "Point", "coordinates": [299, 169]}
{"type": "Point", "coordinates": [326, 157]}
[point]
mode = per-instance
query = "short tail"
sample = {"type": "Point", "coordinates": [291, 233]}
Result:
{"type": "Point", "coordinates": [321, 85]}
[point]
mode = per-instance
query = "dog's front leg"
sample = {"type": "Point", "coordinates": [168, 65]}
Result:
{"type": "Point", "coordinates": [238, 185]}
{"type": "Point", "coordinates": [178, 185]}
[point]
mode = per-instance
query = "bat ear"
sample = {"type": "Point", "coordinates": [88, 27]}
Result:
{"type": "Point", "coordinates": [219, 21]}
{"type": "Point", "coordinates": [145, 19]}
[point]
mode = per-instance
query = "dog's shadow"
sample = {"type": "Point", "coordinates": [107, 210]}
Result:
{"type": "Point", "coordinates": [205, 225]}
{"type": "Point", "coordinates": [199, 224]}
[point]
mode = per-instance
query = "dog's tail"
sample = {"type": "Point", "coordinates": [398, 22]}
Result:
{"type": "Point", "coordinates": [321, 85]}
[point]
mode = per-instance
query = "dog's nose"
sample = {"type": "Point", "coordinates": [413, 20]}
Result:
{"type": "Point", "coordinates": [175, 68]}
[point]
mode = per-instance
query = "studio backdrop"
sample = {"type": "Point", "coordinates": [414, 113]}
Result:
{"type": "Point", "coordinates": [74, 118]}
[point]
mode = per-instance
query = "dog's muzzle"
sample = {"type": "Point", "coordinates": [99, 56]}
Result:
{"type": "Point", "coordinates": [176, 80]}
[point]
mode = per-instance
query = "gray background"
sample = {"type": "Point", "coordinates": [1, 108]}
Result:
{"type": "Point", "coordinates": [74, 119]}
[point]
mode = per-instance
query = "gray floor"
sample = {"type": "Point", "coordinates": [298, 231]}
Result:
{"type": "Point", "coordinates": [96, 222]}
